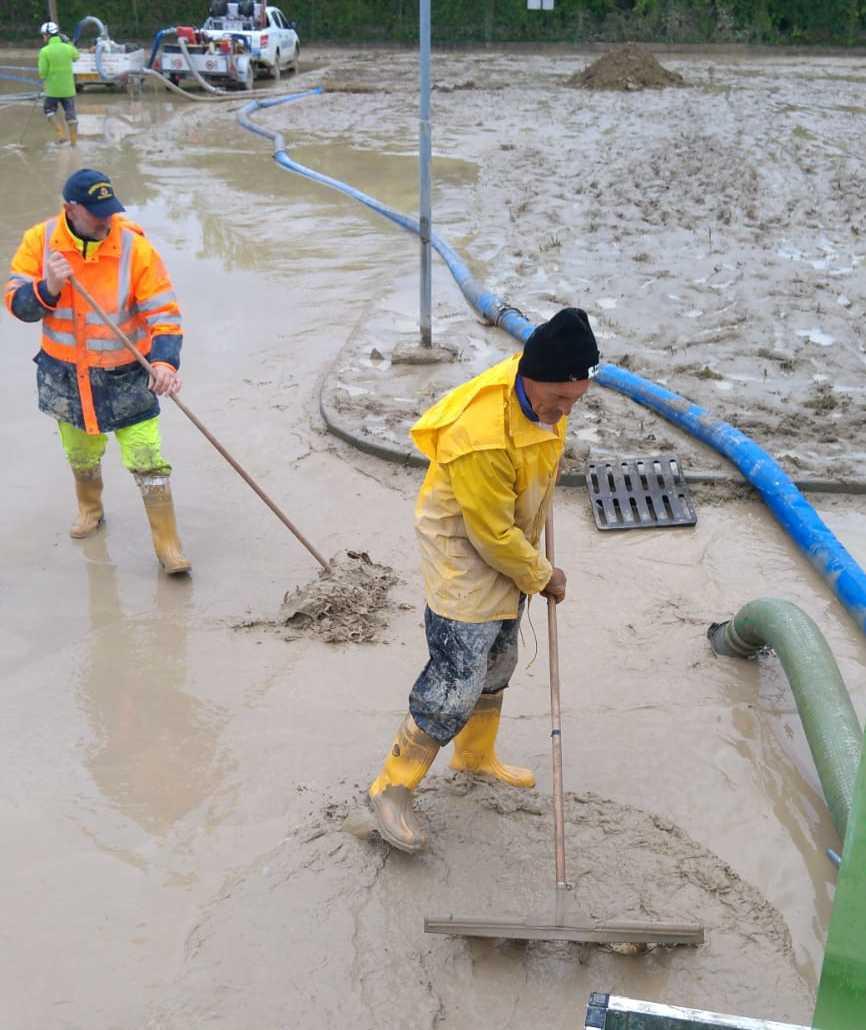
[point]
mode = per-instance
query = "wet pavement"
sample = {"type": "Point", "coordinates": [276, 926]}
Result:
{"type": "Point", "coordinates": [161, 767]}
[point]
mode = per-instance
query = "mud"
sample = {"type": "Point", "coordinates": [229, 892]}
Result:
{"type": "Point", "coordinates": [713, 233]}
{"type": "Point", "coordinates": [163, 771]}
{"type": "Point", "coordinates": [626, 68]}
{"type": "Point", "coordinates": [346, 603]}
{"type": "Point", "coordinates": [491, 858]}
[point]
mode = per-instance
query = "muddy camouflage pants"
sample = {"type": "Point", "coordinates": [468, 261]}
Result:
{"type": "Point", "coordinates": [140, 447]}
{"type": "Point", "coordinates": [466, 660]}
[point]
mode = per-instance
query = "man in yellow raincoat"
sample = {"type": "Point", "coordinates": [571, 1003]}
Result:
{"type": "Point", "coordinates": [494, 446]}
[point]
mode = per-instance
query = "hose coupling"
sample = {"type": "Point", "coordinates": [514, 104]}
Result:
{"type": "Point", "coordinates": [726, 642]}
{"type": "Point", "coordinates": [505, 309]}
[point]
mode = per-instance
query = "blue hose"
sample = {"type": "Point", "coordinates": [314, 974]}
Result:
{"type": "Point", "coordinates": [799, 519]}
{"type": "Point", "coordinates": [486, 303]}
{"type": "Point", "coordinates": [157, 43]}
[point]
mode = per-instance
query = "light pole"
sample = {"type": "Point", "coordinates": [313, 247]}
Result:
{"type": "Point", "coordinates": [424, 159]}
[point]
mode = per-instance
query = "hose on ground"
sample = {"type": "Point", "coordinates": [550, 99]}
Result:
{"type": "Point", "coordinates": [799, 519]}
{"type": "Point", "coordinates": [826, 712]}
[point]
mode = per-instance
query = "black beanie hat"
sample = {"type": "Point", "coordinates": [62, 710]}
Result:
{"type": "Point", "coordinates": [561, 350]}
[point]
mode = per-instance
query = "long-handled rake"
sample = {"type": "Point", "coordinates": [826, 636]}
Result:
{"type": "Point", "coordinates": [562, 922]}
{"type": "Point", "coordinates": [241, 471]}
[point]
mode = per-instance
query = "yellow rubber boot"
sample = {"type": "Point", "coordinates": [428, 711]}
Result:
{"type": "Point", "coordinates": [158, 504]}
{"type": "Point", "coordinates": [474, 745]}
{"type": "Point", "coordinates": [88, 489]}
{"type": "Point", "coordinates": [59, 129]}
{"type": "Point", "coordinates": [73, 133]}
{"type": "Point", "coordinates": [410, 757]}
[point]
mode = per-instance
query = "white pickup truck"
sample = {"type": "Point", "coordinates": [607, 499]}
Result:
{"type": "Point", "coordinates": [269, 35]}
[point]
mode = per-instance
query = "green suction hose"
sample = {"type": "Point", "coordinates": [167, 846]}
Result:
{"type": "Point", "coordinates": [825, 708]}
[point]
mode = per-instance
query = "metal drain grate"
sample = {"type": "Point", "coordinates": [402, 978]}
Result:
{"type": "Point", "coordinates": [639, 493]}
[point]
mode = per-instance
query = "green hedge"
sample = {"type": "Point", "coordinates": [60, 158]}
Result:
{"type": "Point", "coordinates": [474, 21]}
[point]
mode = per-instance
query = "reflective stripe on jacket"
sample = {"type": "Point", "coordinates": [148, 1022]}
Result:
{"type": "Point", "coordinates": [126, 277]}
{"type": "Point", "coordinates": [485, 498]}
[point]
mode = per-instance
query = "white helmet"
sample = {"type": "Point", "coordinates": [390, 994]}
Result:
{"type": "Point", "coordinates": [49, 28]}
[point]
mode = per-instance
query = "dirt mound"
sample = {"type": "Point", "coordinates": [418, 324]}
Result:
{"type": "Point", "coordinates": [345, 86]}
{"type": "Point", "coordinates": [626, 68]}
{"type": "Point", "coordinates": [344, 604]}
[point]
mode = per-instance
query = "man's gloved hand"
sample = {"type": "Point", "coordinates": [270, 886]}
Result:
{"type": "Point", "coordinates": [555, 588]}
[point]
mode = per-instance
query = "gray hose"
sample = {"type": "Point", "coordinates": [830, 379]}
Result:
{"type": "Point", "coordinates": [152, 73]}
{"type": "Point", "coordinates": [215, 93]}
{"type": "Point", "coordinates": [196, 74]}
{"type": "Point", "coordinates": [829, 720]}
{"type": "Point", "coordinates": [89, 19]}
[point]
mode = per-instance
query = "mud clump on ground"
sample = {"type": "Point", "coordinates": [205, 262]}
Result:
{"type": "Point", "coordinates": [346, 86]}
{"type": "Point", "coordinates": [346, 603]}
{"type": "Point", "coordinates": [626, 68]}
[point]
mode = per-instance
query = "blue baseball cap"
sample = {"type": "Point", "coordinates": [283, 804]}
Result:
{"type": "Point", "coordinates": [94, 191]}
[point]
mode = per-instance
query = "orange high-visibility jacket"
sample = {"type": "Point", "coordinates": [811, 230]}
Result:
{"type": "Point", "coordinates": [127, 278]}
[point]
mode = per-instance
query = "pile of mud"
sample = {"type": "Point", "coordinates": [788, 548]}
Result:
{"type": "Point", "coordinates": [626, 68]}
{"type": "Point", "coordinates": [350, 912]}
{"type": "Point", "coordinates": [345, 604]}
{"type": "Point", "coordinates": [347, 86]}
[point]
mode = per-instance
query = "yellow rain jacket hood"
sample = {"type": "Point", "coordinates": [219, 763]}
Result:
{"type": "Point", "coordinates": [485, 498]}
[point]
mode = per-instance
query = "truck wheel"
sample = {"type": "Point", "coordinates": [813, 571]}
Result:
{"type": "Point", "coordinates": [293, 64]}
{"type": "Point", "coordinates": [275, 71]}
{"type": "Point", "coordinates": [250, 77]}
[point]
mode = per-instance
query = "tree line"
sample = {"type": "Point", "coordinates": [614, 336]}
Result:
{"type": "Point", "coordinates": [841, 22]}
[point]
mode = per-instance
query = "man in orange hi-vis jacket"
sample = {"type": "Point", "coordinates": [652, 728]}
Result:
{"type": "Point", "coordinates": [87, 380]}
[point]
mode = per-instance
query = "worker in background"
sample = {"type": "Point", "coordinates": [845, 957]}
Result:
{"type": "Point", "coordinates": [58, 83]}
{"type": "Point", "coordinates": [86, 379]}
{"type": "Point", "coordinates": [494, 446]}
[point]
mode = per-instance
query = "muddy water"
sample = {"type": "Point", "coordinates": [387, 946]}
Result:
{"type": "Point", "coordinates": [174, 789]}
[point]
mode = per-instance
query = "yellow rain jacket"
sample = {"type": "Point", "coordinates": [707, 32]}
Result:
{"type": "Point", "coordinates": [485, 498]}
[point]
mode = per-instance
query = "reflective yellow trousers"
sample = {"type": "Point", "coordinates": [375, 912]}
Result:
{"type": "Point", "coordinates": [140, 447]}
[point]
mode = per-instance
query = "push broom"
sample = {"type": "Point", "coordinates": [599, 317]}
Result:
{"type": "Point", "coordinates": [561, 921]}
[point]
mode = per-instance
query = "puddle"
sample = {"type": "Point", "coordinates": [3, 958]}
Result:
{"type": "Point", "coordinates": [817, 336]}
{"type": "Point", "coordinates": [155, 759]}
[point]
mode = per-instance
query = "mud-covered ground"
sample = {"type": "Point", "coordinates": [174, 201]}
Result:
{"type": "Point", "coordinates": [715, 234]}
{"type": "Point", "coordinates": [182, 805]}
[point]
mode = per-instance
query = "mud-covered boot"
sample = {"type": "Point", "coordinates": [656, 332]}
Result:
{"type": "Point", "coordinates": [156, 492]}
{"type": "Point", "coordinates": [73, 133]}
{"type": "Point", "coordinates": [475, 750]}
{"type": "Point", "coordinates": [88, 489]}
{"type": "Point", "coordinates": [410, 757]}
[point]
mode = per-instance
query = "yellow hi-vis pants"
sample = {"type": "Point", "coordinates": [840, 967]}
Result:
{"type": "Point", "coordinates": [140, 447]}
